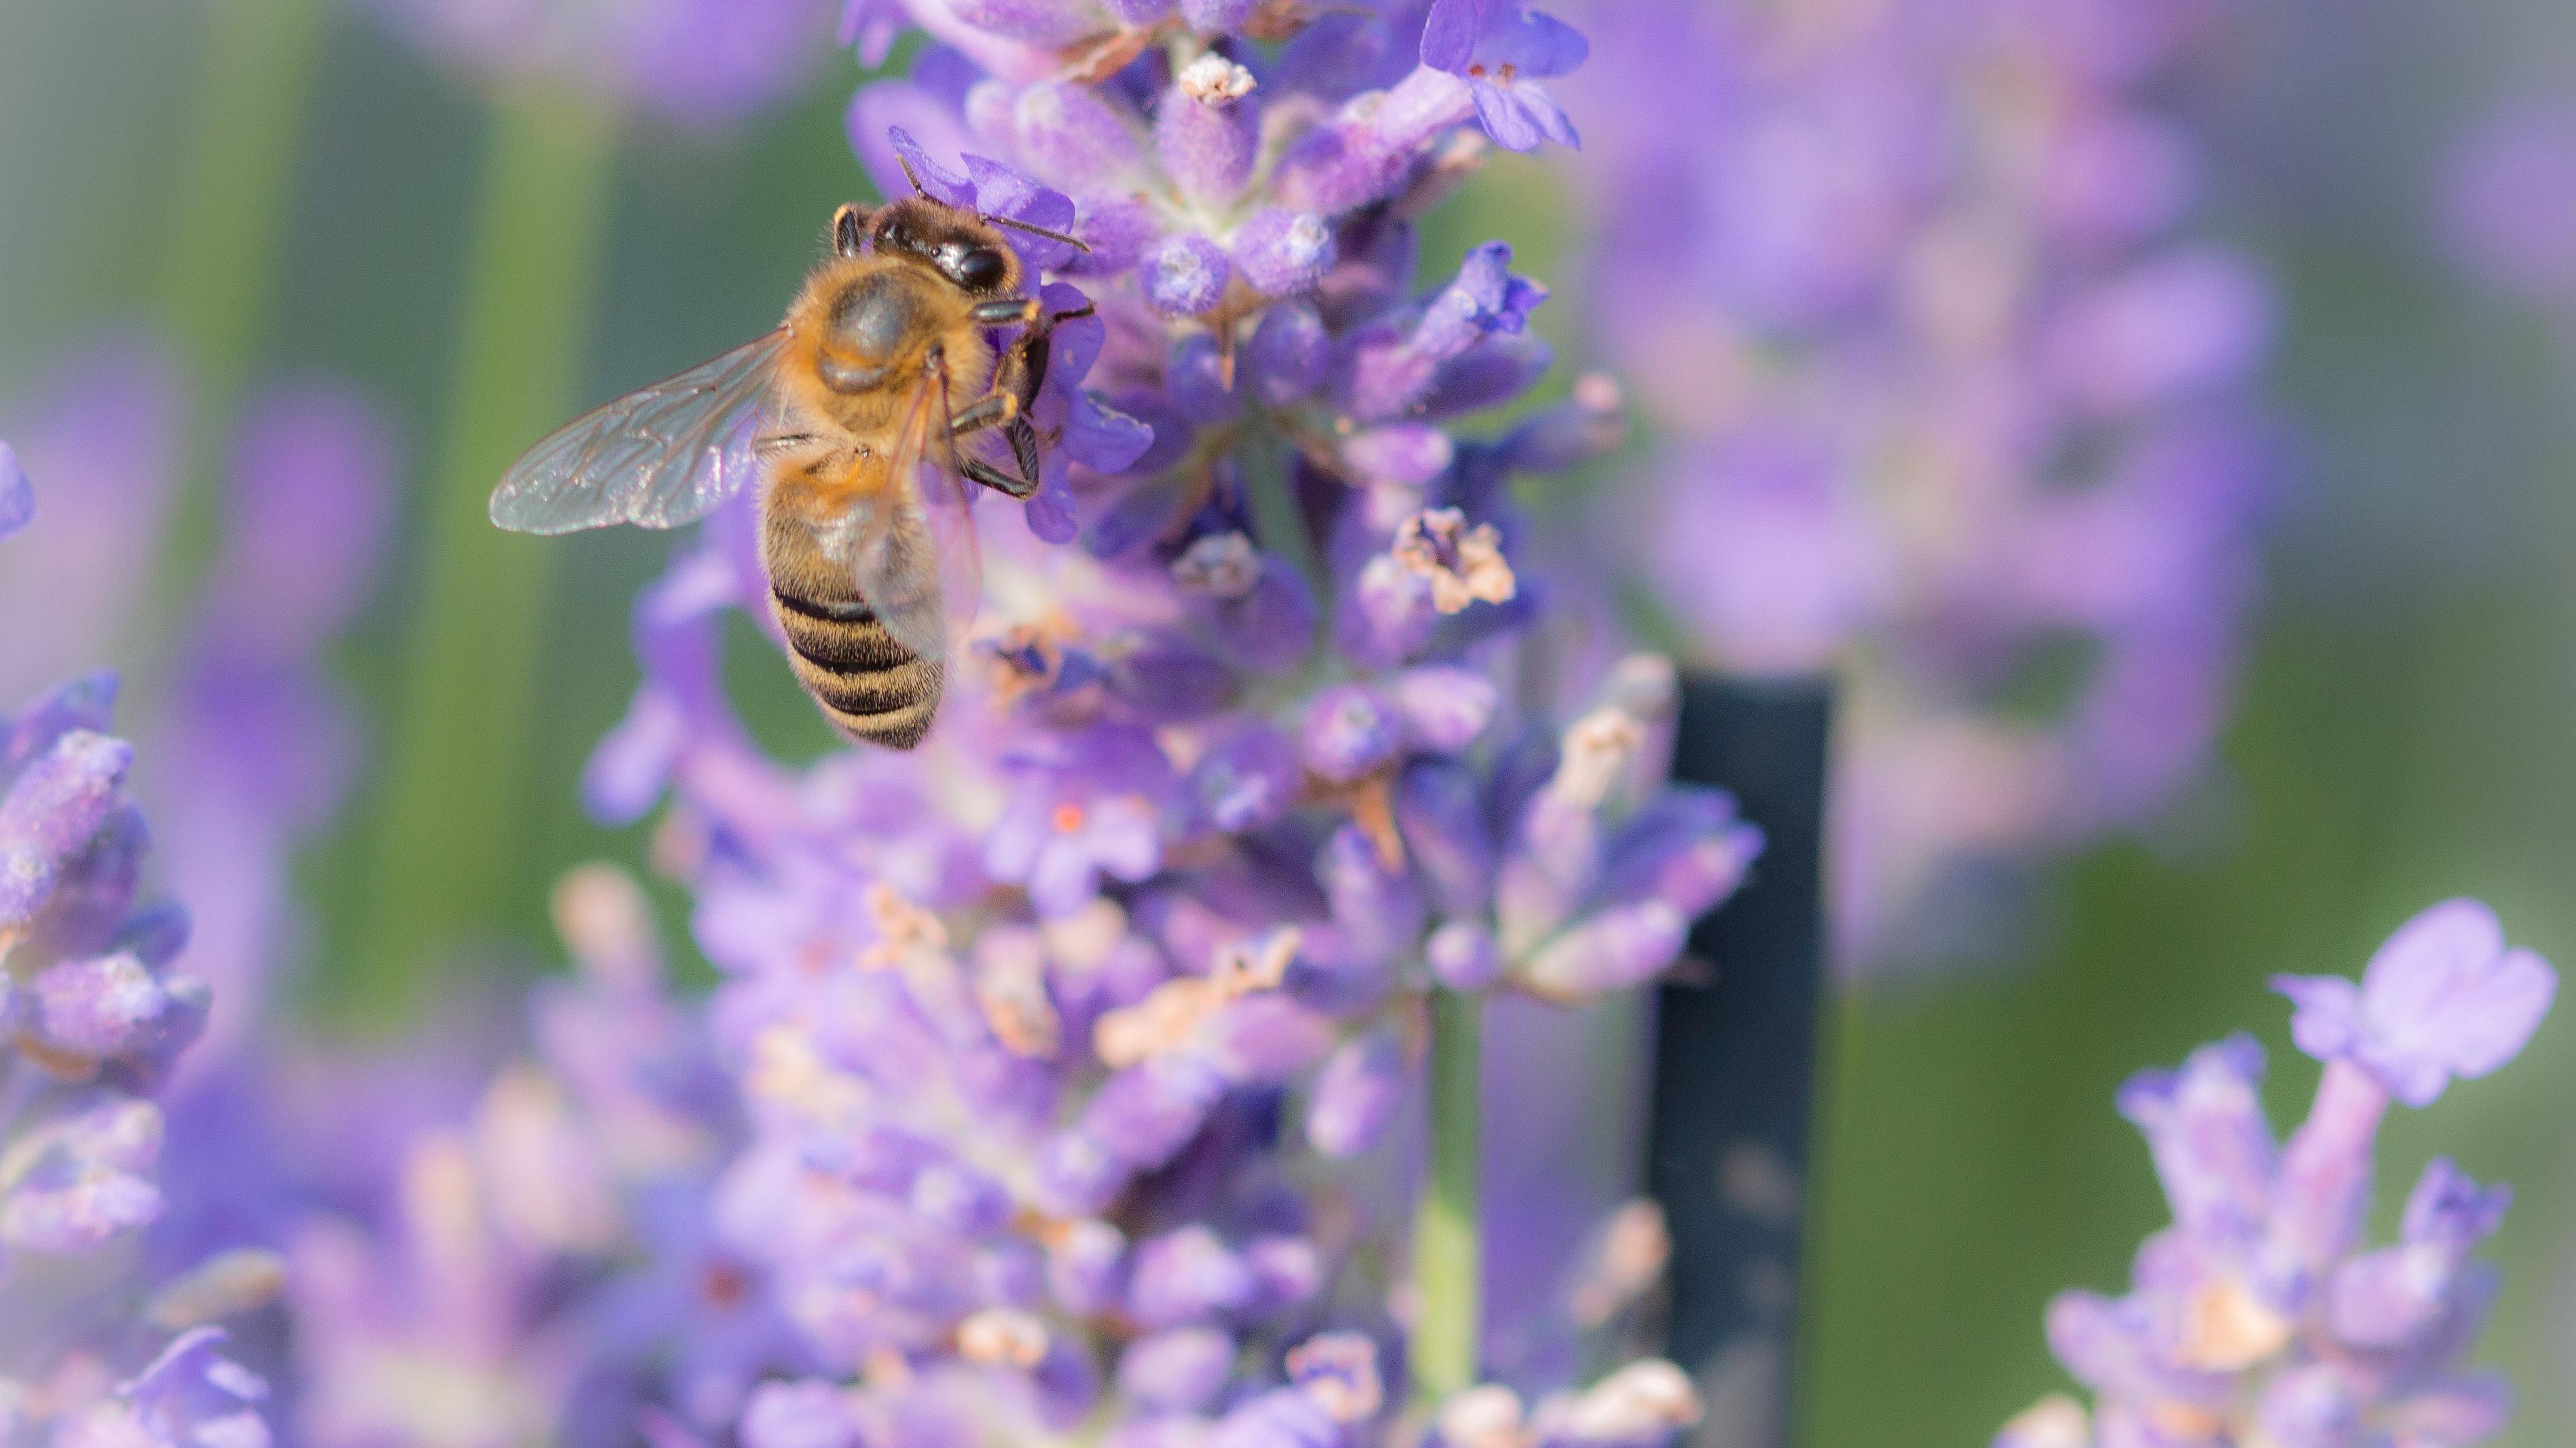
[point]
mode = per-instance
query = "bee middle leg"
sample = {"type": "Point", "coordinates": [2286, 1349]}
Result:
{"type": "Point", "coordinates": [1021, 372]}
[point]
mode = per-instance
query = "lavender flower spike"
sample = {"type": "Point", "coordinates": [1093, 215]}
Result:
{"type": "Point", "coordinates": [1063, 1041]}
{"type": "Point", "coordinates": [2253, 1319]}
{"type": "Point", "coordinates": [92, 1017]}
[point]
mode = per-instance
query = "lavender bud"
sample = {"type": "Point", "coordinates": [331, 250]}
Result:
{"type": "Point", "coordinates": [1207, 130]}
{"type": "Point", "coordinates": [1349, 733]}
{"type": "Point", "coordinates": [1216, 17]}
{"type": "Point", "coordinates": [1619, 947]}
{"type": "Point", "coordinates": [1086, 1266]}
{"type": "Point", "coordinates": [1077, 1175]}
{"type": "Point", "coordinates": [1185, 275]}
{"type": "Point", "coordinates": [1119, 230]}
{"type": "Point", "coordinates": [1445, 709]}
{"type": "Point", "coordinates": [1463, 956]}
{"type": "Point", "coordinates": [808, 1413]}
{"type": "Point", "coordinates": [1441, 812]}
{"type": "Point", "coordinates": [51, 812]}
{"type": "Point", "coordinates": [1194, 375]}
{"type": "Point", "coordinates": [1178, 1370]}
{"type": "Point", "coordinates": [1288, 354]}
{"type": "Point", "coordinates": [1074, 138]}
{"type": "Point", "coordinates": [1284, 253]}
{"type": "Point", "coordinates": [1189, 1276]}
{"type": "Point", "coordinates": [1289, 1269]}
{"type": "Point", "coordinates": [1339, 1371]}
{"type": "Point", "coordinates": [1355, 1096]}
{"type": "Point", "coordinates": [1148, 1112]}
{"type": "Point", "coordinates": [1246, 781]}
{"type": "Point", "coordinates": [1280, 1418]}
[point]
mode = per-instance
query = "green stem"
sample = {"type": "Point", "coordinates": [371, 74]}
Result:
{"type": "Point", "coordinates": [449, 832]}
{"type": "Point", "coordinates": [219, 240]}
{"type": "Point", "coordinates": [1448, 1257]}
{"type": "Point", "coordinates": [1270, 486]}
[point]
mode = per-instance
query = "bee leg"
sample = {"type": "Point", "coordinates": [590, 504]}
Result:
{"type": "Point", "coordinates": [849, 229]}
{"type": "Point", "coordinates": [994, 478]}
{"type": "Point", "coordinates": [1022, 372]}
{"type": "Point", "coordinates": [994, 409]}
{"type": "Point", "coordinates": [1008, 312]}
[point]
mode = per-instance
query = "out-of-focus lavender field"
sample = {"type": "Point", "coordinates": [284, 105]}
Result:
{"type": "Point", "coordinates": [2154, 416]}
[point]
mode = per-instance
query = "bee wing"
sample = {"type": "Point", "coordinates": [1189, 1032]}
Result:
{"type": "Point", "coordinates": [657, 458]}
{"type": "Point", "coordinates": [911, 550]}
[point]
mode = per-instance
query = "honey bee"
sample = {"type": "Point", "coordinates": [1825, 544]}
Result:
{"type": "Point", "coordinates": [848, 412]}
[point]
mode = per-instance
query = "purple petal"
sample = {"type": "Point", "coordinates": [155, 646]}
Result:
{"type": "Point", "coordinates": [1450, 33]}
{"type": "Point", "coordinates": [937, 181]}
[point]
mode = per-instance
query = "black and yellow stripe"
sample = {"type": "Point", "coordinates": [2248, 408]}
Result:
{"type": "Point", "coordinates": [873, 689]}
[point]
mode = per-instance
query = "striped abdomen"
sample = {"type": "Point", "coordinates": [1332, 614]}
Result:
{"type": "Point", "coordinates": [873, 689]}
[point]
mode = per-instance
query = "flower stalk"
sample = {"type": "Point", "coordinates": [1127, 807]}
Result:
{"type": "Point", "coordinates": [1448, 1255]}
{"type": "Point", "coordinates": [259, 64]}
{"type": "Point", "coordinates": [442, 853]}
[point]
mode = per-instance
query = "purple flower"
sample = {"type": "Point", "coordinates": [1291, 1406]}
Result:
{"type": "Point", "coordinates": [2508, 203]}
{"type": "Point", "coordinates": [2070, 380]}
{"type": "Point", "coordinates": [1391, 373]}
{"type": "Point", "coordinates": [1089, 806]}
{"type": "Point", "coordinates": [1139, 934]}
{"type": "Point", "coordinates": [697, 63]}
{"type": "Point", "coordinates": [2254, 1318]}
{"type": "Point", "coordinates": [1503, 51]}
{"type": "Point", "coordinates": [2443, 999]}
{"type": "Point", "coordinates": [189, 1395]}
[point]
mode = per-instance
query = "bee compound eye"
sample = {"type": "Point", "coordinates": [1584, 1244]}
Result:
{"type": "Point", "coordinates": [981, 268]}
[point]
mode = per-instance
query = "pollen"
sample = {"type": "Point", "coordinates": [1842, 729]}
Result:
{"type": "Point", "coordinates": [2227, 1329]}
{"type": "Point", "coordinates": [1067, 818]}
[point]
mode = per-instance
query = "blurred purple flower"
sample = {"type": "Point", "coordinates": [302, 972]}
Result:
{"type": "Point", "coordinates": [693, 63]}
{"type": "Point", "coordinates": [1953, 403]}
{"type": "Point", "coordinates": [2255, 1317]}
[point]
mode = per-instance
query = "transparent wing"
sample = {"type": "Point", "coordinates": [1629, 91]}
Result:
{"type": "Point", "coordinates": [658, 457]}
{"type": "Point", "coordinates": [910, 546]}
{"type": "Point", "coordinates": [948, 498]}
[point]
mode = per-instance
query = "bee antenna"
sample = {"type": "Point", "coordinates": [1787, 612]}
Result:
{"type": "Point", "coordinates": [1072, 241]}
{"type": "Point", "coordinates": [905, 162]}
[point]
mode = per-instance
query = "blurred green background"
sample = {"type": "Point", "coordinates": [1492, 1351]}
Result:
{"type": "Point", "coordinates": [281, 188]}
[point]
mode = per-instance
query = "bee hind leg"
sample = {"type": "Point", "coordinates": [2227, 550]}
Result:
{"type": "Point", "coordinates": [999, 481]}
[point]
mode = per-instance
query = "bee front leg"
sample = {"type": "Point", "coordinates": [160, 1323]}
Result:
{"type": "Point", "coordinates": [849, 229]}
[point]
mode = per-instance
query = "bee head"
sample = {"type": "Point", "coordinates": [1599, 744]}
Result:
{"type": "Point", "coordinates": [956, 244]}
